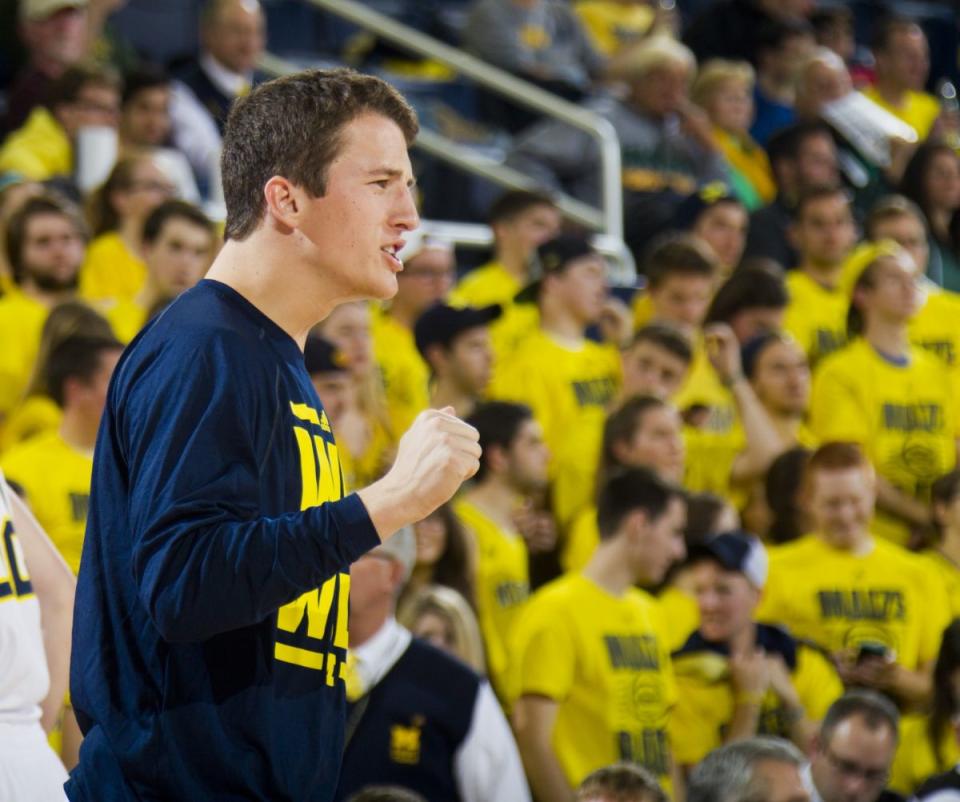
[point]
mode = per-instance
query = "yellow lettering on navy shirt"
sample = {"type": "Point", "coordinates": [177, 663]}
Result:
{"type": "Point", "coordinates": [14, 579]}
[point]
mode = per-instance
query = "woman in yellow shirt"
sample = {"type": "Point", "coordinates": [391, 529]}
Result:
{"type": "Point", "coordinates": [114, 268]}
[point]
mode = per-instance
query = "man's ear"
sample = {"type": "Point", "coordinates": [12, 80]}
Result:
{"type": "Point", "coordinates": [284, 202]}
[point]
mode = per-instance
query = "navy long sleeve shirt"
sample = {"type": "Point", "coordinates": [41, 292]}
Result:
{"type": "Point", "coordinates": [210, 627]}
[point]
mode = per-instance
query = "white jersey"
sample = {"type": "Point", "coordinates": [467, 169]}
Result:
{"type": "Point", "coordinates": [24, 679]}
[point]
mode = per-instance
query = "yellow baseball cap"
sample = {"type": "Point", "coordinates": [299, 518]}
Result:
{"type": "Point", "coordinates": [35, 10]}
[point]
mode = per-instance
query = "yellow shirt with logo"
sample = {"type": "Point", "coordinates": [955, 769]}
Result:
{"type": "Point", "coordinates": [406, 377]}
{"type": "Point", "coordinates": [604, 659]}
{"type": "Point", "coordinates": [488, 284]}
{"type": "Point", "coordinates": [21, 321]}
{"type": "Point", "coordinates": [503, 585]}
{"type": "Point", "coordinates": [915, 760]}
{"type": "Point", "coordinates": [905, 418]}
{"type": "Point", "coordinates": [816, 316]}
{"type": "Point", "coordinates": [567, 387]}
{"type": "Point", "coordinates": [56, 480]}
{"type": "Point", "coordinates": [111, 271]}
{"type": "Point", "coordinates": [919, 110]}
{"type": "Point", "coordinates": [706, 700]}
{"type": "Point", "coordinates": [839, 600]}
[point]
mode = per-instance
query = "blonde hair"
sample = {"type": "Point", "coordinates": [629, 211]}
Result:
{"type": "Point", "coordinates": [660, 50]}
{"type": "Point", "coordinates": [454, 609]}
{"type": "Point", "coordinates": [717, 72]}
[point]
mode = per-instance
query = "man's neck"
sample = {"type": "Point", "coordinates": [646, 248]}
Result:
{"type": "Point", "coordinates": [861, 546]}
{"type": "Point", "coordinates": [608, 568]}
{"type": "Point", "coordinates": [49, 67]}
{"type": "Point", "coordinates": [49, 298]}
{"type": "Point", "coordinates": [826, 275]}
{"type": "Point", "coordinates": [496, 499]}
{"type": "Point", "coordinates": [264, 271]}
{"type": "Point", "coordinates": [78, 433]}
{"type": "Point", "coordinates": [561, 324]}
{"type": "Point", "coordinates": [129, 232]}
{"type": "Point", "coordinates": [889, 338]}
{"type": "Point", "coordinates": [513, 262]}
{"type": "Point", "coordinates": [447, 393]}
{"type": "Point", "coordinates": [892, 92]}
{"type": "Point", "coordinates": [403, 315]}
{"type": "Point", "coordinates": [786, 424]}
{"type": "Point", "coordinates": [363, 627]}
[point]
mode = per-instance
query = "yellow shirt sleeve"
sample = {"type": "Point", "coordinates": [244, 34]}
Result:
{"type": "Point", "coordinates": [545, 655]}
{"type": "Point", "coordinates": [816, 680]}
{"type": "Point", "coordinates": [836, 411]}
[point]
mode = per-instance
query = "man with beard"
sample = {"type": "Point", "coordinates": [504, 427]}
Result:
{"type": "Point", "coordinates": [46, 239]}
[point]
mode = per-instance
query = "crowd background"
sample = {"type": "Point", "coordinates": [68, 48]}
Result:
{"type": "Point", "coordinates": [718, 512]}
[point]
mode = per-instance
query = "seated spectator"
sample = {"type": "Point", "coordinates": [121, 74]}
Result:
{"type": "Point", "coordinates": [14, 192]}
{"type": "Point", "coordinates": [737, 678]}
{"type": "Point", "coordinates": [43, 147]}
{"type": "Point", "coordinates": [365, 434]}
{"type": "Point", "coordinates": [427, 276]}
{"type": "Point", "coordinates": [114, 269]}
{"type": "Point", "coordinates": [724, 89]}
{"type": "Point", "coordinates": [782, 47]}
{"type": "Point", "coordinates": [643, 432]}
{"type": "Point", "coordinates": [876, 608]}
{"type": "Point", "coordinates": [932, 181]}
{"type": "Point", "coordinates": [894, 399]}
{"type": "Point", "coordinates": [758, 768]}
{"type": "Point", "coordinates": [591, 638]}
{"type": "Point", "coordinates": [45, 244]}
{"type": "Point", "coordinates": [655, 363]}
{"type": "Point", "coordinates": [802, 157]}
{"type": "Point", "coordinates": [513, 471]}
{"type": "Point", "coordinates": [177, 245]}
{"type": "Point", "coordinates": [719, 219]}
{"type": "Point", "coordinates": [54, 468]}
{"type": "Point", "coordinates": [455, 343]}
{"type": "Point", "coordinates": [445, 556]}
{"type": "Point", "coordinates": [38, 412]}
{"type": "Point", "coordinates": [442, 617]}
{"type": "Point", "coordinates": [665, 141]}
{"type": "Point", "coordinates": [854, 750]}
{"type": "Point", "coordinates": [521, 221]}
{"type": "Point", "coordinates": [621, 782]}
{"type": "Point", "coordinates": [446, 738]}
{"type": "Point", "coordinates": [615, 26]}
{"type": "Point", "coordinates": [902, 58]}
{"type": "Point", "coordinates": [730, 28]}
{"type": "Point", "coordinates": [538, 40]}
{"type": "Point", "coordinates": [928, 743]}
{"type": "Point", "coordinates": [35, 630]}
{"type": "Point", "coordinates": [55, 36]}
{"type": "Point", "coordinates": [824, 235]}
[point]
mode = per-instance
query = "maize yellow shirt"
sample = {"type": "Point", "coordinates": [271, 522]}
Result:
{"type": "Point", "coordinates": [34, 415]}
{"type": "Point", "coordinates": [111, 271]}
{"type": "Point", "coordinates": [936, 327]}
{"type": "Point", "coordinates": [681, 615]}
{"type": "Point", "coordinates": [406, 377]}
{"type": "Point", "coordinates": [915, 760]}
{"type": "Point", "coordinates": [604, 660]}
{"type": "Point", "coordinates": [705, 698]}
{"type": "Point", "coordinates": [21, 321]}
{"type": "Point", "coordinates": [56, 479]}
{"type": "Point", "coordinates": [904, 416]}
{"type": "Point", "coordinates": [919, 110]}
{"type": "Point", "coordinates": [39, 149]}
{"type": "Point", "coordinates": [503, 586]}
{"type": "Point", "coordinates": [839, 600]}
{"type": "Point", "coordinates": [816, 316]}
{"type": "Point", "coordinates": [613, 26]}
{"type": "Point", "coordinates": [126, 318]}
{"type": "Point", "coordinates": [949, 574]}
{"type": "Point", "coordinates": [488, 284]}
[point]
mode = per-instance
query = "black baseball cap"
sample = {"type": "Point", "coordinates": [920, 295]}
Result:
{"type": "Point", "coordinates": [736, 551]}
{"type": "Point", "coordinates": [553, 256]}
{"type": "Point", "coordinates": [442, 324]}
{"type": "Point", "coordinates": [688, 211]}
{"type": "Point", "coordinates": [322, 356]}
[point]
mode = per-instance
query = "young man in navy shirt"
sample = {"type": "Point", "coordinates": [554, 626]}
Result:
{"type": "Point", "coordinates": [211, 616]}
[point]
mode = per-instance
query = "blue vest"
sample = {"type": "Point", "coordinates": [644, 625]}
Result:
{"type": "Point", "coordinates": [414, 722]}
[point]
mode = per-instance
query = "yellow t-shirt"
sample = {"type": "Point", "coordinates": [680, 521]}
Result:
{"type": "Point", "coordinates": [816, 316]}
{"type": "Point", "coordinates": [705, 698]}
{"type": "Point", "coordinates": [905, 418]}
{"type": "Point", "coordinates": [126, 318]}
{"type": "Point", "coordinates": [642, 310]}
{"type": "Point", "coordinates": [111, 271]}
{"type": "Point", "coordinates": [915, 760]}
{"type": "Point", "coordinates": [21, 321]}
{"type": "Point", "coordinates": [406, 377]}
{"type": "Point", "coordinates": [36, 414]}
{"type": "Point", "coordinates": [568, 389]}
{"type": "Point", "coordinates": [936, 327]}
{"type": "Point", "coordinates": [614, 26]}
{"type": "Point", "coordinates": [949, 575]}
{"type": "Point", "coordinates": [364, 469]}
{"type": "Point", "coordinates": [503, 585]}
{"type": "Point", "coordinates": [488, 284]}
{"type": "Point", "coordinates": [839, 600]}
{"type": "Point", "coordinates": [681, 615]}
{"type": "Point", "coordinates": [56, 479]}
{"type": "Point", "coordinates": [39, 150]}
{"type": "Point", "coordinates": [581, 540]}
{"type": "Point", "coordinates": [919, 109]}
{"type": "Point", "coordinates": [604, 660]}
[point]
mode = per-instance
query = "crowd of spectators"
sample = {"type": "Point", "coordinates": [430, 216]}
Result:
{"type": "Point", "coordinates": [713, 548]}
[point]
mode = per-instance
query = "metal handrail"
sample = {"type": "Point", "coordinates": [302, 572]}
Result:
{"type": "Point", "coordinates": [518, 90]}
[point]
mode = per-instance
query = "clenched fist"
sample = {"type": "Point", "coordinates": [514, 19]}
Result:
{"type": "Point", "coordinates": [436, 455]}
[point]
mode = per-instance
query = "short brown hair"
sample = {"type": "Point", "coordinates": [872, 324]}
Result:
{"type": "Point", "coordinates": [891, 207]}
{"type": "Point", "coordinates": [678, 254]}
{"type": "Point", "coordinates": [47, 203]}
{"type": "Point", "coordinates": [835, 456]}
{"type": "Point", "coordinates": [621, 782]}
{"type": "Point", "coordinates": [292, 127]}
{"type": "Point", "coordinates": [67, 88]}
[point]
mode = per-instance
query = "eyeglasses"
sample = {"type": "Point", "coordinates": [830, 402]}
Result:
{"type": "Point", "coordinates": [851, 769]}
